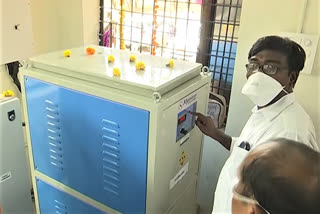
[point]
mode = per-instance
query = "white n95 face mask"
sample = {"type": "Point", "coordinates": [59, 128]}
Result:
{"type": "Point", "coordinates": [261, 88]}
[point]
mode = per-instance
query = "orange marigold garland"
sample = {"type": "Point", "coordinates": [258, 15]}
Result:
{"type": "Point", "coordinates": [122, 16]}
{"type": "Point", "coordinates": [155, 27]}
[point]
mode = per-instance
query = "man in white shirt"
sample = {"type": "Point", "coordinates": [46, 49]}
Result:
{"type": "Point", "coordinates": [273, 68]}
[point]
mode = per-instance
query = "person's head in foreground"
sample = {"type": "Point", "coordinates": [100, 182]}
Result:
{"type": "Point", "coordinates": [278, 177]}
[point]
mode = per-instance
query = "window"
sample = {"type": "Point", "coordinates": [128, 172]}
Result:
{"type": "Point", "coordinates": [219, 36]}
{"type": "Point", "coordinates": [159, 27]}
{"type": "Point", "coordinates": [204, 31]}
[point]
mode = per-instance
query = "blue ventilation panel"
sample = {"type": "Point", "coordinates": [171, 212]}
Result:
{"type": "Point", "coordinates": [95, 146]}
{"type": "Point", "coordinates": [55, 201]}
{"type": "Point", "coordinates": [54, 136]}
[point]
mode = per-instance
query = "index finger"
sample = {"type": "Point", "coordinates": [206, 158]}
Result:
{"type": "Point", "coordinates": [199, 115]}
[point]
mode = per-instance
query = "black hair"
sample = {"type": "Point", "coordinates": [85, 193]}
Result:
{"type": "Point", "coordinates": [285, 179]}
{"type": "Point", "coordinates": [295, 54]}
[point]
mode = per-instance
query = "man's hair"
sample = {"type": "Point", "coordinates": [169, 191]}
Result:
{"type": "Point", "coordinates": [294, 52]}
{"type": "Point", "coordinates": [284, 177]}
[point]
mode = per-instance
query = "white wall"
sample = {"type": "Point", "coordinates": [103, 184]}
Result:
{"type": "Point", "coordinates": [15, 30]}
{"type": "Point", "coordinates": [58, 25]}
{"type": "Point", "coordinates": [91, 16]}
{"type": "Point", "coordinates": [266, 17]}
{"type": "Point", "coordinates": [62, 24]}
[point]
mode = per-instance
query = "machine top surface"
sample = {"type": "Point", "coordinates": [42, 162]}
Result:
{"type": "Point", "coordinates": [156, 76]}
{"type": "Point", "coordinates": [5, 99]}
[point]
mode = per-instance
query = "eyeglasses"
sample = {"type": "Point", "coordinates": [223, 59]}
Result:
{"type": "Point", "coordinates": [267, 68]}
{"type": "Point", "coordinates": [248, 200]}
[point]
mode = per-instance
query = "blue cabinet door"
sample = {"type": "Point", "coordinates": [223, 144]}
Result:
{"type": "Point", "coordinates": [55, 201]}
{"type": "Point", "coordinates": [95, 146]}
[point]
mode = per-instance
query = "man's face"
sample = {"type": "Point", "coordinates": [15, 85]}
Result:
{"type": "Point", "coordinates": [275, 58]}
{"type": "Point", "coordinates": [239, 207]}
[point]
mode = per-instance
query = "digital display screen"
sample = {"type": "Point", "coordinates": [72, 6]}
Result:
{"type": "Point", "coordinates": [182, 118]}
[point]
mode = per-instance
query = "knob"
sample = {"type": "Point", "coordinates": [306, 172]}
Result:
{"type": "Point", "coordinates": [183, 131]}
{"type": "Point", "coordinates": [11, 115]}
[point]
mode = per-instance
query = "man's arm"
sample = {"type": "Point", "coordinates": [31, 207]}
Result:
{"type": "Point", "coordinates": [207, 127]}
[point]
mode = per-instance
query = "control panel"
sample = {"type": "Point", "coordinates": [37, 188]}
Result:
{"type": "Point", "coordinates": [185, 121]}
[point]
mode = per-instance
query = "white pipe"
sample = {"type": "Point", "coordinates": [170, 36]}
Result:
{"type": "Point", "coordinates": [302, 17]}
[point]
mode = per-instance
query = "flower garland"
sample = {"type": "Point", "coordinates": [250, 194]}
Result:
{"type": "Point", "coordinates": [155, 27]}
{"type": "Point", "coordinates": [122, 16]}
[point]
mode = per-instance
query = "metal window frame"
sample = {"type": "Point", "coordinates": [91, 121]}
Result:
{"type": "Point", "coordinates": [208, 35]}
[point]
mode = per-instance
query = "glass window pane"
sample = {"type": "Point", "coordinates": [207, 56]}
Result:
{"type": "Point", "coordinates": [148, 7]}
{"type": "Point", "coordinates": [126, 33]}
{"type": "Point", "coordinates": [116, 4]}
{"type": "Point", "coordinates": [181, 27]}
{"type": "Point", "coordinates": [107, 14]}
{"type": "Point", "coordinates": [191, 56]}
{"type": "Point", "coordinates": [171, 9]}
{"type": "Point", "coordinates": [165, 40]}
{"type": "Point", "coordinates": [146, 37]}
{"type": "Point", "coordinates": [217, 31]}
{"type": "Point", "coordinates": [135, 47]}
{"type": "Point", "coordinates": [236, 2]}
{"type": "Point", "coordinates": [223, 2]}
{"type": "Point", "coordinates": [178, 54]}
{"type": "Point", "coordinates": [115, 16]}
{"type": "Point", "coordinates": [182, 10]}
{"type": "Point", "coordinates": [146, 49]}
{"type": "Point", "coordinates": [137, 6]}
{"type": "Point", "coordinates": [235, 35]}
{"type": "Point", "coordinates": [181, 34]}
{"type": "Point", "coordinates": [159, 9]}
{"type": "Point", "coordinates": [195, 11]}
{"type": "Point", "coordinates": [238, 15]}
{"type": "Point", "coordinates": [136, 34]}
{"type": "Point", "coordinates": [136, 20]}
{"type": "Point", "coordinates": [218, 13]}
{"type": "Point", "coordinates": [147, 21]}
{"type": "Point", "coordinates": [192, 34]}
{"type": "Point", "coordinates": [233, 14]}
{"type": "Point", "coordinates": [107, 3]}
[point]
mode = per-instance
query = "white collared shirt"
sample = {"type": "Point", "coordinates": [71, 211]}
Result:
{"type": "Point", "coordinates": [283, 119]}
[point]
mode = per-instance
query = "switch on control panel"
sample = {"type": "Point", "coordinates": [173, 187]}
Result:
{"type": "Point", "coordinates": [183, 131]}
{"type": "Point", "coordinates": [185, 121]}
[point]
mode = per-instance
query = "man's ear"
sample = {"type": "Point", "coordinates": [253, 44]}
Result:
{"type": "Point", "coordinates": [255, 209]}
{"type": "Point", "coordinates": [293, 76]}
